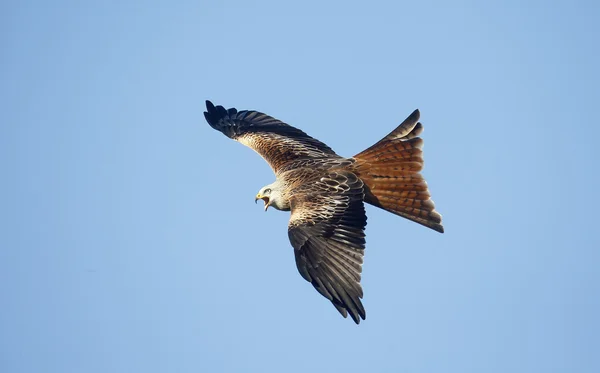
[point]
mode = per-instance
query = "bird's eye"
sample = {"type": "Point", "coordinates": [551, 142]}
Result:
{"type": "Point", "coordinates": [267, 191]}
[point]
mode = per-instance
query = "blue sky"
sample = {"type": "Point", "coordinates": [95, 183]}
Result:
{"type": "Point", "coordinates": [129, 234]}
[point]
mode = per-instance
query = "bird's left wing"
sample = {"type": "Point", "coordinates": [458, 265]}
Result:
{"type": "Point", "coordinates": [277, 142]}
{"type": "Point", "coordinates": [326, 229]}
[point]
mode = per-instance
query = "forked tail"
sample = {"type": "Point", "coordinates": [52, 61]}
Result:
{"type": "Point", "coordinates": [391, 169]}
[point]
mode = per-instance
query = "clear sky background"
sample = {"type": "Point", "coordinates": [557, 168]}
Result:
{"type": "Point", "coordinates": [130, 241]}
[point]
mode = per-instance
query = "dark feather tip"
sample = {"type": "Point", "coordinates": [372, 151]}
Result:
{"type": "Point", "coordinates": [209, 106]}
{"type": "Point", "coordinates": [214, 113]}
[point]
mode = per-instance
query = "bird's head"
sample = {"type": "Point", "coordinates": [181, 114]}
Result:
{"type": "Point", "coordinates": [273, 195]}
{"type": "Point", "coordinates": [265, 194]}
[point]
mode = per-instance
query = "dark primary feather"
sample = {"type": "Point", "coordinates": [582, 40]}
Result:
{"type": "Point", "coordinates": [326, 230]}
{"type": "Point", "coordinates": [277, 142]}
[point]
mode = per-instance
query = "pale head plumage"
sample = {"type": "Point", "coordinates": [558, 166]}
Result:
{"type": "Point", "coordinates": [273, 195]}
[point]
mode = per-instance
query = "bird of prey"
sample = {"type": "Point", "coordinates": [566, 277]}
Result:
{"type": "Point", "coordinates": [326, 194]}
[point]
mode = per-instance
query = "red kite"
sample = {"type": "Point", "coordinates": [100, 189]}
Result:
{"type": "Point", "coordinates": [326, 194]}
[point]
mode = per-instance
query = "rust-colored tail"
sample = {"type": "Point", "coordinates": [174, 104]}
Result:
{"type": "Point", "coordinates": [391, 169]}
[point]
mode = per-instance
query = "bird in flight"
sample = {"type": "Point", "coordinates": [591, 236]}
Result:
{"type": "Point", "coordinates": [326, 194]}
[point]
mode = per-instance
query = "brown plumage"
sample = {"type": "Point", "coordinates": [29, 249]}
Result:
{"type": "Point", "coordinates": [391, 170]}
{"type": "Point", "coordinates": [326, 194]}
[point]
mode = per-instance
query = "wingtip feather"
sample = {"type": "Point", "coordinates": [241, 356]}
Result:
{"type": "Point", "coordinates": [416, 115]}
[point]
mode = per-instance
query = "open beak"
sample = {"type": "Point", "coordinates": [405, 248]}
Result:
{"type": "Point", "coordinates": [264, 198]}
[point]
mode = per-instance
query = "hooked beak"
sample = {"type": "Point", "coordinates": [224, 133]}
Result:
{"type": "Point", "coordinates": [264, 198]}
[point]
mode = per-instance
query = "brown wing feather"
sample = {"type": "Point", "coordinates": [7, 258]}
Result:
{"type": "Point", "coordinates": [277, 142]}
{"type": "Point", "coordinates": [326, 230]}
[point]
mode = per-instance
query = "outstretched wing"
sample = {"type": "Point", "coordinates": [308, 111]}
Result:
{"type": "Point", "coordinates": [326, 230]}
{"type": "Point", "coordinates": [277, 142]}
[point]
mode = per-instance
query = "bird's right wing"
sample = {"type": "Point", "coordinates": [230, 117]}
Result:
{"type": "Point", "coordinates": [277, 142]}
{"type": "Point", "coordinates": [326, 229]}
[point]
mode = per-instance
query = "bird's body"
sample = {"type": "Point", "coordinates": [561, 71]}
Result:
{"type": "Point", "coordinates": [326, 194]}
